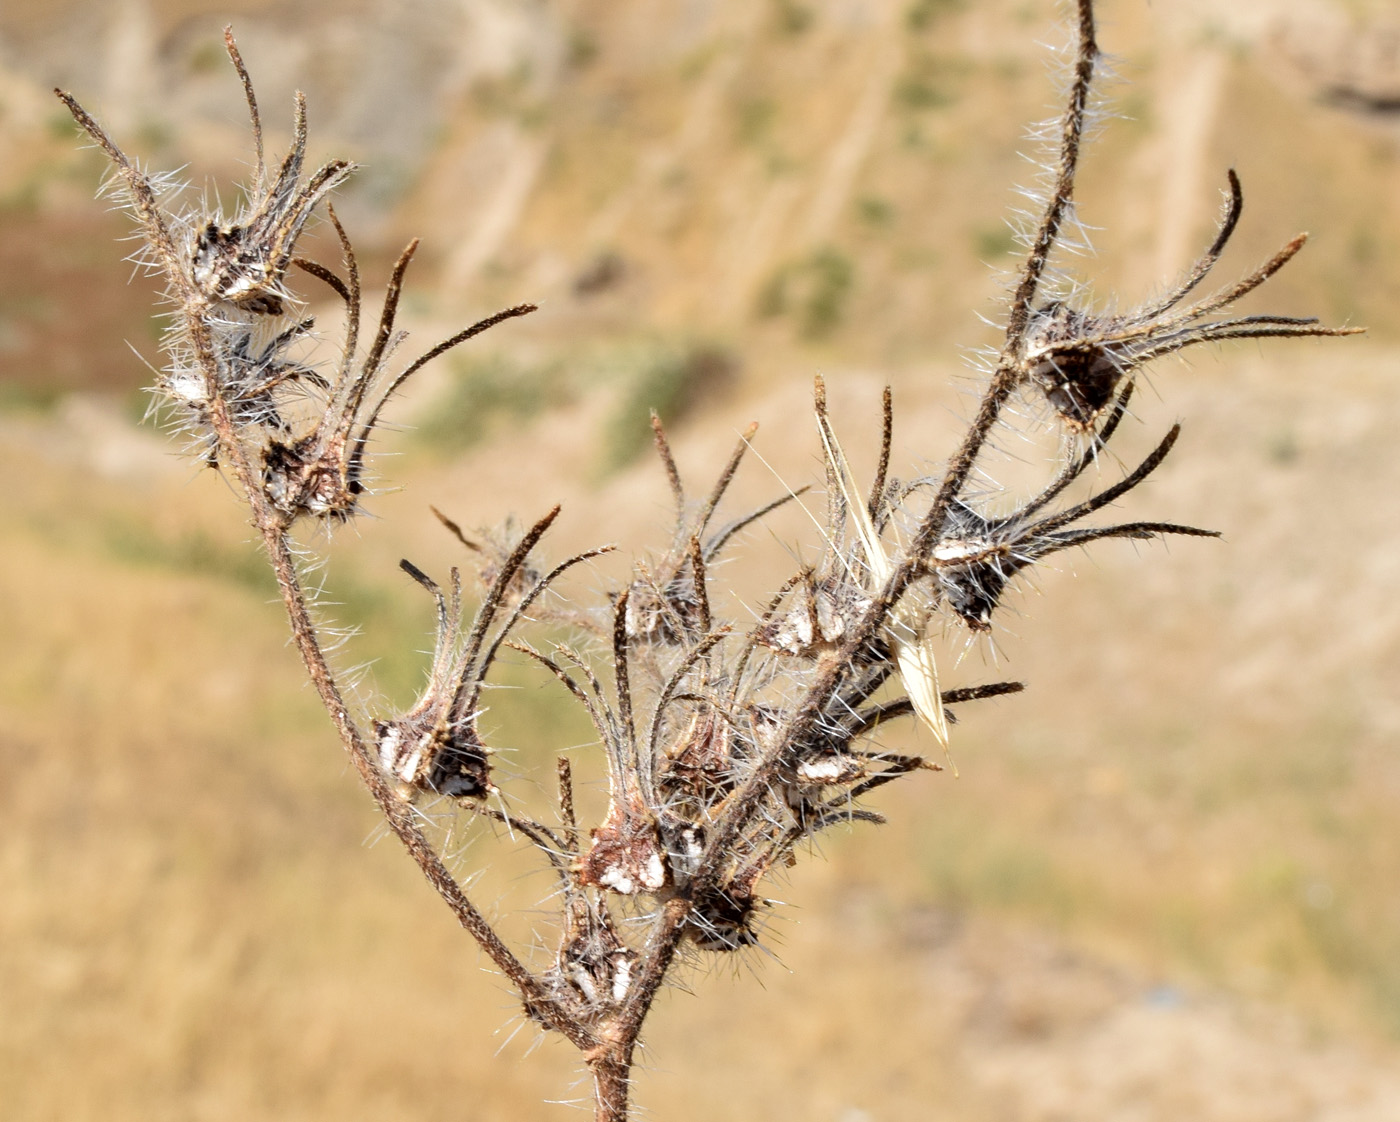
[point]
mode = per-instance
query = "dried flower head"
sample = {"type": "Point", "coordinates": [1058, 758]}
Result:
{"type": "Point", "coordinates": [320, 472]}
{"type": "Point", "coordinates": [666, 601]}
{"type": "Point", "coordinates": [1079, 359]}
{"type": "Point", "coordinates": [977, 556]}
{"type": "Point", "coordinates": [436, 746]}
{"type": "Point", "coordinates": [243, 263]}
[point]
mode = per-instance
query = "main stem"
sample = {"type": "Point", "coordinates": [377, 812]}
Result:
{"type": "Point", "coordinates": [273, 529]}
{"type": "Point", "coordinates": [611, 1068]}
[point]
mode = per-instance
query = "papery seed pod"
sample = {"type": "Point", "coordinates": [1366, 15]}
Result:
{"type": "Point", "coordinates": [827, 769]}
{"type": "Point", "coordinates": [626, 855]}
{"type": "Point", "coordinates": [684, 845]}
{"type": "Point", "coordinates": [593, 961]}
{"type": "Point", "coordinates": [448, 760]}
{"type": "Point", "coordinates": [826, 611]}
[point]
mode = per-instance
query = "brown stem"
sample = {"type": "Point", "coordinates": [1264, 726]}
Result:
{"type": "Point", "coordinates": [661, 943]}
{"type": "Point", "coordinates": [273, 527]}
{"type": "Point", "coordinates": [611, 1062]}
{"type": "Point", "coordinates": [611, 1068]}
{"type": "Point", "coordinates": [1071, 134]}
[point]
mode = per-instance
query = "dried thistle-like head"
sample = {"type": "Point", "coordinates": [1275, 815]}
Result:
{"type": "Point", "coordinates": [321, 472]}
{"type": "Point", "coordinates": [233, 353]}
{"type": "Point", "coordinates": [435, 747]}
{"type": "Point", "coordinates": [976, 555]}
{"type": "Point", "coordinates": [666, 601]}
{"type": "Point", "coordinates": [1079, 360]}
{"type": "Point", "coordinates": [244, 262]}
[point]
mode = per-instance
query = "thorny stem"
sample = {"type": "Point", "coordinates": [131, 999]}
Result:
{"type": "Point", "coordinates": [397, 814]}
{"type": "Point", "coordinates": [611, 1068]}
{"type": "Point", "coordinates": [1004, 380]}
{"type": "Point", "coordinates": [662, 942]}
{"type": "Point", "coordinates": [1006, 375]}
{"type": "Point", "coordinates": [1062, 194]}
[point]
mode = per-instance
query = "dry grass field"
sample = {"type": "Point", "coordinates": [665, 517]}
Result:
{"type": "Point", "coordinates": [1164, 883]}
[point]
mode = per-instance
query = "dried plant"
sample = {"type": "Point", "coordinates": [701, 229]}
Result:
{"type": "Point", "coordinates": [727, 746]}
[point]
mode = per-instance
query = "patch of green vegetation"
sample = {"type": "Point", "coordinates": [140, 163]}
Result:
{"type": "Point", "coordinates": [928, 82]}
{"type": "Point", "coordinates": [154, 134]}
{"type": "Point", "coordinates": [694, 63]}
{"type": "Point", "coordinates": [583, 48]}
{"type": "Point", "coordinates": [489, 393]}
{"type": "Point", "coordinates": [875, 212]}
{"type": "Point", "coordinates": [193, 553]}
{"type": "Point", "coordinates": [59, 125]}
{"type": "Point", "coordinates": [919, 92]}
{"type": "Point", "coordinates": [1136, 109]}
{"type": "Point", "coordinates": [913, 137]}
{"type": "Point", "coordinates": [391, 629]}
{"type": "Point", "coordinates": [1009, 68]}
{"type": "Point", "coordinates": [813, 290]}
{"type": "Point", "coordinates": [792, 18]}
{"type": "Point", "coordinates": [511, 96]}
{"type": "Point", "coordinates": [992, 242]}
{"type": "Point", "coordinates": [535, 713]}
{"type": "Point", "coordinates": [754, 118]}
{"type": "Point", "coordinates": [208, 56]}
{"type": "Point", "coordinates": [27, 397]}
{"type": "Point", "coordinates": [135, 406]}
{"type": "Point", "coordinates": [23, 198]}
{"type": "Point", "coordinates": [922, 14]}
{"type": "Point", "coordinates": [1003, 875]}
{"type": "Point", "coordinates": [670, 380]}
{"type": "Point", "coordinates": [1364, 247]}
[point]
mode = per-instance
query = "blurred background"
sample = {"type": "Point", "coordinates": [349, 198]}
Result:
{"type": "Point", "coordinates": [1164, 884]}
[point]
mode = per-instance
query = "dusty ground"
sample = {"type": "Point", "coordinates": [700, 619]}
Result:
{"type": "Point", "coordinates": [1164, 885]}
{"type": "Point", "coordinates": [1161, 884]}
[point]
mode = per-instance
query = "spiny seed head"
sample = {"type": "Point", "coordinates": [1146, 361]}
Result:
{"type": "Point", "coordinates": [594, 962]}
{"type": "Point", "coordinates": [626, 855]}
{"type": "Point", "coordinates": [970, 576]}
{"type": "Point", "coordinates": [1068, 360]}
{"type": "Point", "coordinates": [684, 843]}
{"type": "Point", "coordinates": [698, 762]}
{"type": "Point", "coordinates": [725, 918]}
{"type": "Point", "coordinates": [440, 759]}
{"type": "Point", "coordinates": [226, 266]}
{"type": "Point", "coordinates": [305, 477]}
{"type": "Point", "coordinates": [826, 611]}
{"type": "Point", "coordinates": [666, 615]}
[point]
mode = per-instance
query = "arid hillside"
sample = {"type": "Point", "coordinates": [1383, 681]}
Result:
{"type": "Point", "coordinates": [1163, 884]}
